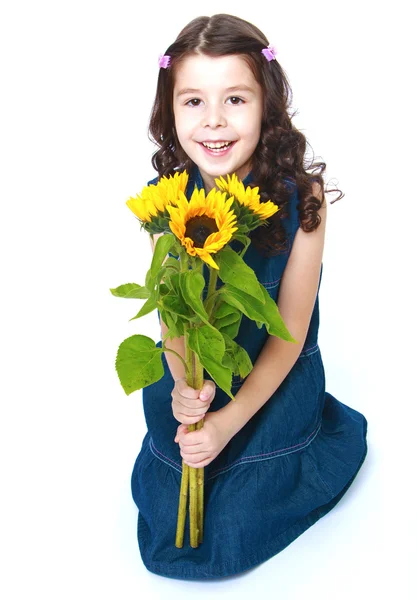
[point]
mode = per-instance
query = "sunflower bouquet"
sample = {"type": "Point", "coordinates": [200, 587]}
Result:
{"type": "Point", "coordinates": [197, 231]}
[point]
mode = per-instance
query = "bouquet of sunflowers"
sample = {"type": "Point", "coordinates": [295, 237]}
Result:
{"type": "Point", "coordinates": [197, 231]}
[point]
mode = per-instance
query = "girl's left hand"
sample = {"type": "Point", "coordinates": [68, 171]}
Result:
{"type": "Point", "coordinates": [200, 447]}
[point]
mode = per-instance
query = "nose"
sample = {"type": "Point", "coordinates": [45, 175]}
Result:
{"type": "Point", "coordinates": [214, 117]}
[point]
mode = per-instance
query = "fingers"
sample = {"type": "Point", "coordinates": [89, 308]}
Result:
{"type": "Point", "coordinates": [208, 390]}
{"type": "Point", "coordinates": [192, 459]}
{"type": "Point", "coordinates": [199, 465]}
{"type": "Point", "coordinates": [189, 405]}
{"type": "Point", "coordinates": [188, 438]}
{"type": "Point", "coordinates": [191, 398]}
{"type": "Point", "coordinates": [187, 416]}
{"type": "Point", "coordinates": [185, 390]}
{"type": "Point", "coordinates": [192, 451]}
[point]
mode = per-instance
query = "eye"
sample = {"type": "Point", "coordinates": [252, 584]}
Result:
{"type": "Point", "coordinates": [236, 100]}
{"type": "Point", "coordinates": [193, 102]}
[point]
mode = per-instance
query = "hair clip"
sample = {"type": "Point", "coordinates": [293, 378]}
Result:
{"type": "Point", "coordinates": [164, 61]}
{"type": "Point", "coordinates": [269, 53]}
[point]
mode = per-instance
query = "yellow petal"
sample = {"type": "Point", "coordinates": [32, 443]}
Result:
{"type": "Point", "coordinates": [204, 255]}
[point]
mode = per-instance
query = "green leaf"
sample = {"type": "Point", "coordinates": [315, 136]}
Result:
{"type": "Point", "coordinates": [266, 313]}
{"type": "Point", "coordinates": [242, 364]}
{"type": "Point", "coordinates": [174, 324]}
{"type": "Point", "coordinates": [164, 289]}
{"type": "Point", "coordinates": [234, 270]}
{"type": "Point", "coordinates": [228, 362]}
{"type": "Point", "coordinates": [173, 281]}
{"type": "Point", "coordinates": [150, 281]}
{"type": "Point", "coordinates": [131, 290]}
{"type": "Point", "coordinates": [192, 284]}
{"type": "Point", "coordinates": [174, 252]}
{"type": "Point", "coordinates": [243, 239]}
{"type": "Point", "coordinates": [210, 347]}
{"type": "Point", "coordinates": [148, 307]}
{"type": "Point", "coordinates": [227, 318]}
{"type": "Point", "coordinates": [162, 247]}
{"type": "Point", "coordinates": [231, 330]}
{"type": "Point", "coordinates": [138, 363]}
{"type": "Point", "coordinates": [172, 263]}
{"type": "Point", "coordinates": [223, 309]}
{"type": "Point", "coordinates": [175, 304]}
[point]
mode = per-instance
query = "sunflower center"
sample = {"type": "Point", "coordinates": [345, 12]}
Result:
{"type": "Point", "coordinates": [199, 228]}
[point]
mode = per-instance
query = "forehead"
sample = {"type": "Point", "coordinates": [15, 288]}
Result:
{"type": "Point", "coordinates": [207, 72]}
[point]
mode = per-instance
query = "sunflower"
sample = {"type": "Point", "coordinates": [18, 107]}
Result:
{"type": "Point", "coordinates": [150, 205]}
{"type": "Point", "coordinates": [204, 224]}
{"type": "Point", "coordinates": [249, 198]}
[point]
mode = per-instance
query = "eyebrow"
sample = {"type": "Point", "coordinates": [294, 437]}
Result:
{"type": "Point", "coordinates": [236, 88]}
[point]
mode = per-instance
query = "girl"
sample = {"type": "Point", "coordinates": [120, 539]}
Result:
{"type": "Point", "coordinates": [285, 451]}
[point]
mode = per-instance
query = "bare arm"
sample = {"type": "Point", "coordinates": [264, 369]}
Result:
{"type": "Point", "coordinates": [296, 301]}
{"type": "Point", "coordinates": [175, 365]}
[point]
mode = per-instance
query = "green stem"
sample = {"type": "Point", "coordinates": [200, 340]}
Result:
{"type": "Point", "coordinates": [182, 506]}
{"type": "Point", "coordinates": [242, 254]}
{"type": "Point", "coordinates": [165, 349]}
{"type": "Point", "coordinates": [211, 293]}
{"type": "Point", "coordinates": [191, 476]}
{"type": "Point", "coordinates": [184, 267]}
{"type": "Point", "coordinates": [195, 368]}
{"type": "Point", "coordinates": [184, 262]}
{"type": "Point", "coordinates": [193, 503]}
{"type": "Point", "coordinates": [200, 494]}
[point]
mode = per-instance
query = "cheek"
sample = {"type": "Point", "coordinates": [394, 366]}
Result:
{"type": "Point", "coordinates": [251, 137]}
{"type": "Point", "coordinates": [255, 130]}
{"type": "Point", "coordinates": [185, 124]}
{"type": "Point", "coordinates": [249, 126]}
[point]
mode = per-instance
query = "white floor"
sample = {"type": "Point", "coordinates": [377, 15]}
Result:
{"type": "Point", "coordinates": [78, 83]}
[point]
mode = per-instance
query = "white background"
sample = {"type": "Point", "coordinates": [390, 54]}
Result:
{"type": "Point", "coordinates": [77, 84]}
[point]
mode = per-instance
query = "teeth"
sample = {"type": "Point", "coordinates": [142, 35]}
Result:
{"type": "Point", "coordinates": [217, 145]}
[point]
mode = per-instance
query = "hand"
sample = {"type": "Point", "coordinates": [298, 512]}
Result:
{"type": "Point", "coordinates": [200, 447]}
{"type": "Point", "coordinates": [189, 405]}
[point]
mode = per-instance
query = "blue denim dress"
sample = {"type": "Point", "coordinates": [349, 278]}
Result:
{"type": "Point", "coordinates": [285, 469]}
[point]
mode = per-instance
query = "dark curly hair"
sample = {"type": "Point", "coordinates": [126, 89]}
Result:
{"type": "Point", "coordinates": [280, 153]}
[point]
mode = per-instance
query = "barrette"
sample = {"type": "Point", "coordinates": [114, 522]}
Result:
{"type": "Point", "coordinates": [164, 61]}
{"type": "Point", "coordinates": [269, 53]}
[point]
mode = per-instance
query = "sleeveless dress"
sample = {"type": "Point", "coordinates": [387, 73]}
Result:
{"type": "Point", "coordinates": [285, 469]}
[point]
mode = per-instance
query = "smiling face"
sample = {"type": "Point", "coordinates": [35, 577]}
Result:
{"type": "Point", "coordinates": [217, 106]}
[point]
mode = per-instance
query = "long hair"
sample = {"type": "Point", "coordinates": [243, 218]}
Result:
{"type": "Point", "coordinates": [280, 153]}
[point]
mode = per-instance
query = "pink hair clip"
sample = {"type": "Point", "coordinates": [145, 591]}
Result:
{"type": "Point", "coordinates": [269, 53]}
{"type": "Point", "coordinates": [164, 61]}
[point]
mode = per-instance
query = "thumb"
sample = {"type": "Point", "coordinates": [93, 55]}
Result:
{"type": "Point", "coordinates": [206, 391]}
{"type": "Point", "coordinates": [181, 429]}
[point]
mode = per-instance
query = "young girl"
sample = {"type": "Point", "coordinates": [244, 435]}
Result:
{"type": "Point", "coordinates": [285, 451]}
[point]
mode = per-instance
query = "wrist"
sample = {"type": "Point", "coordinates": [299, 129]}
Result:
{"type": "Point", "coordinates": [228, 416]}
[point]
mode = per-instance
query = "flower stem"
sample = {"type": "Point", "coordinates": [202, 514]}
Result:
{"type": "Point", "coordinates": [184, 262]}
{"type": "Point", "coordinates": [211, 292]}
{"type": "Point", "coordinates": [194, 380]}
{"type": "Point", "coordinates": [200, 494]}
{"type": "Point", "coordinates": [182, 506]}
{"type": "Point", "coordinates": [165, 349]}
{"type": "Point", "coordinates": [193, 503]}
{"type": "Point", "coordinates": [192, 477]}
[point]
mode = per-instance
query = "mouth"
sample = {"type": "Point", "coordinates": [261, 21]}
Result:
{"type": "Point", "coordinates": [217, 148]}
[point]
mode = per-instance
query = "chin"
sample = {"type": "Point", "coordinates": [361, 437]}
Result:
{"type": "Point", "coordinates": [219, 170]}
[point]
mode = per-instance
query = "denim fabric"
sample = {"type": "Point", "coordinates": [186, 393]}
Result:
{"type": "Point", "coordinates": [285, 469]}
